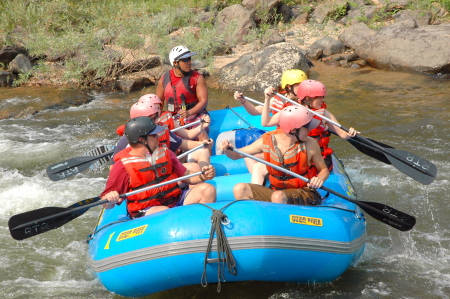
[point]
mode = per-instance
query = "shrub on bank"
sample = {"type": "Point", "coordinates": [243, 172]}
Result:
{"type": "Point", "coordinates": [89, 43]}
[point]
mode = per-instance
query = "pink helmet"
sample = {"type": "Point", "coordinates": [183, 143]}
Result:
{"type": "Point", "coordinates": [144, 109]}
{"type": "Point", "coordinates": [294, 117]}
{"type": "Point", "coordinates": [152, 98]}
{"type": "Point", "coordinates": [311, 88]}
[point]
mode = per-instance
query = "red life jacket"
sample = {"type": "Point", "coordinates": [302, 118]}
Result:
{"type": "Point", "coordinates": [321, 134]}
{"type": "Point", "coordinates": [142, 174]}
{"type": "Point", "coordinates": [295, 159]}
{"type": "Point", "coordinates": [180, 91]}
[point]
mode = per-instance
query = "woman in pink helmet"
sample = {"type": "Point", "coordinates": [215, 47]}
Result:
{"type": "Point", "coordinates": [290, 148]}
{"type": "Point", "coordinates": [312, 94]}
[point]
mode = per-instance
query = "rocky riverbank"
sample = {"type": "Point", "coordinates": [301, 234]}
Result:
{"type": "Point", "coordinates": [381, 34]}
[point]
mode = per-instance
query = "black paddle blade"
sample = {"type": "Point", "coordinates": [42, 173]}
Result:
{"type": "Point", "coordinates": [37, 226]}
{"type": "Point", "coordinates": [369, 150]}
{"type": "Point", "coordinates": [32, 223]}
{"type": "Point", "coordinates": [416, 167]}
{"type": "Point", "coordinates": [413, 166]}
{"type": "Point", "coordinates": [98, 151]}
{"type": "Point", "coordinates": [388, 215]}
{"type": "Point", "coordinates": [65, 169]}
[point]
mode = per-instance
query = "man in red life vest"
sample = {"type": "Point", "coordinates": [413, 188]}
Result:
{"type": "Point", "coordinates": [290, 148]}
{"type": "Point", "coordinates": [146, 163]}
{"type": "Point", "coordinates": [184, 89]}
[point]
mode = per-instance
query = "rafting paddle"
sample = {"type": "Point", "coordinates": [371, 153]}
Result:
{"type": "Point", "coordinates": [413, 166]}
{"type": "Point", "coordinates": [65, 169]}
{"type": "Point", "coordinates": [35, 222]}
{"type": "Point", "coordinates": [378, 211]}
{"type": "Point", "coordinates": [68, 168]}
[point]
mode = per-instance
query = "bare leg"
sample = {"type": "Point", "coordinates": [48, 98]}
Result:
{"type": "Point", "coordinates": [201, 193]}
{"type": "Point", "coordinates": [201, 157]}
{"type": "Point", "coordinates": [250, 163]}
{"type": "Point", "coordinates": [279, 197]}
{"type": "Point", "coordinates": [258, 173]}
{"type": "Point", "coordinates": [242, 191]}
{"type": "Point", "coordinates": [193, 168]}
{"type": "Point", "coordinates": [155, 209]}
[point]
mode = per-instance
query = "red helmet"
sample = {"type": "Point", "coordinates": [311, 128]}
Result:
{"type": "Point", "coordinates": [294, 117]}
{"type": "Point", "coordinates": [144, 109]}
{"type": "Point", "coordinates": [311, 88]}
{"type": "Point", "coordinates": [152, 98]}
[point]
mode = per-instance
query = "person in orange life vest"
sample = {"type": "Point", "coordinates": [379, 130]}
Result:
{"type": "Point", "coordinates": [290, 80]}
{"type": "Point", "coordinates": [184, 89]}
{"type": "Point", "coordinates": [312, 93]}
{"type": "Point", "coordinates": [291, 148]}
{"type": "Point", "coordinates": [150, 105]}
{"type": "Point", "coordinates": [146, 162]}
{"type": "Point", "coordinates": [306, 91]}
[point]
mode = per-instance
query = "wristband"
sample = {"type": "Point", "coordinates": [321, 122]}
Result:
{"type": "Point", "coordinates": [201, 177]}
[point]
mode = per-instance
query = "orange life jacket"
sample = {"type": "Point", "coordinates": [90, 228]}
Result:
{"type": "Point", "coordinates": [294, 159]}
{"type": "Point", "coordinates": [321, 134]}
{"type": "Point", "coordinates": [143, 173]}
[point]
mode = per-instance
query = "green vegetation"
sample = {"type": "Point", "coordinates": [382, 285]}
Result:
{"type": "Point", "coordinates": [83, 41]}
{"type": "Point", "coordinates": [74, 33]}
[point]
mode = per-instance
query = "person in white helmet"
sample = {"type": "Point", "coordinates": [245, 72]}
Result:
{"type": "Point", "coordinates": [183, 89]}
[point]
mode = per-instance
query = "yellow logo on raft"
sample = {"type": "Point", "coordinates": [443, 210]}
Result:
{"type": "Point", "coordinates": [306, 220]}
{"type": "Point", "coordinates": [131, 233]}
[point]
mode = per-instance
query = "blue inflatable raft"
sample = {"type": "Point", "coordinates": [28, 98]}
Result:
{"type": "Point", "coordinates": [268, 242]}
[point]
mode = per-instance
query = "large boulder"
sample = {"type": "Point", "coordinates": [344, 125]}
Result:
{"type": "Point", "coordinates": [261, 69]}
{"type": "Point", "coordinates": [403, 46]}
{"type": "Point", "coordinates": [235, 22]}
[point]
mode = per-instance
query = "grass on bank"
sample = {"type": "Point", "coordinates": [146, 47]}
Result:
{"type": "Point", "coordinates": [69, 32]}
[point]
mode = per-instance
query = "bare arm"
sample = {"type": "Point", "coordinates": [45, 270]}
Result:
{"type": "Point", "coordinates": [266, 119]}
{"type": "Point", "coordinates": [351, 132]}
{"type": "Point", "coordinates": [160, 91]}
{"type": "Point", "coordinates": [315, 156]}
{"type": "Point", "coordinates": [252, 110]}
{"type": "Point", "coordinates": [193, 133]}
{"type": "Point", "coordinates": [208, 174]}
{"type": "Point", "coordinates": [252, 149]}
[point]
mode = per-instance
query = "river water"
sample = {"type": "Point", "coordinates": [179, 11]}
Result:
{"type": "Point", "coordinates": [406, 111]}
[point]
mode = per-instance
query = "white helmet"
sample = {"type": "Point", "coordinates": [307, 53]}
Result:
{"type": "Point", "coordinates": [179, 52]}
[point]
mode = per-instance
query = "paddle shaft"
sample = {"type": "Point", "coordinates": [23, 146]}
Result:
{"type": "Point", "coordinates": [187, 125]}
{"type": "Point", "coordinates": [85, 207]}
{"type": "Point", "coordinates": [191, 151]}
{"type": "Point", "coordinates": [387, 215]}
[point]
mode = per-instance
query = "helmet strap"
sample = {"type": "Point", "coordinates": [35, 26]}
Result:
{"type": "Point", "coordinates": [177, 66]}
{"type": "Point", "coordinates": [296, 133]}
{"type": "Point", "coordinates": [291, 90]}
{"type": "Point", "coordinates": [146, 145]}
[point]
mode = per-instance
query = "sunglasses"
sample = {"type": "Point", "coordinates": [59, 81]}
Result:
{"type": "Point", "coordinates": [185, 59]}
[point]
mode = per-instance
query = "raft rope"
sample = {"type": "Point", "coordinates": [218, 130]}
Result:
{"type": "Point", "coordinates": [248, 124]}
{"type": "Point", "coordinates": [224, 254]}
{"type": "Point", "coordinates": [91, 236]}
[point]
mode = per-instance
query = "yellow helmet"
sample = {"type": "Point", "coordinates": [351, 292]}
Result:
{"type": "Point", "coordinates": [291, 77]}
